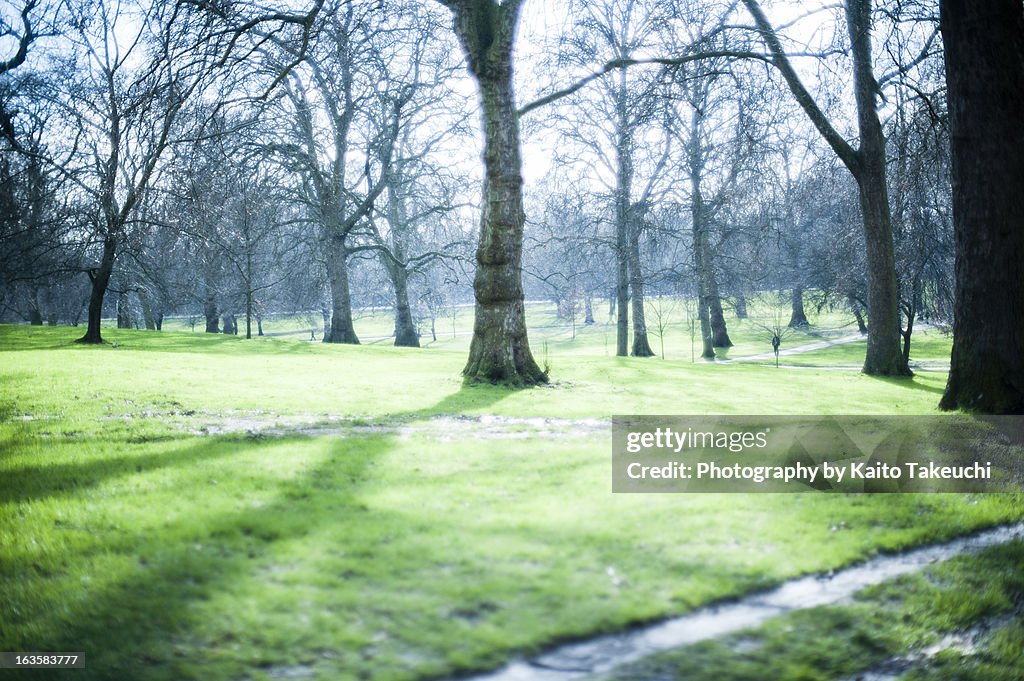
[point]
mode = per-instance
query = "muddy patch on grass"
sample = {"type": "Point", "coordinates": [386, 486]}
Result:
{"type": "Point", "coordinates": [442, 427]}
{"type": "Point", "coordinates": [604, 653]}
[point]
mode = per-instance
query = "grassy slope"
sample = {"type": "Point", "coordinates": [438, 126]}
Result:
{"type": "Point", "coordinates": [383, 554]}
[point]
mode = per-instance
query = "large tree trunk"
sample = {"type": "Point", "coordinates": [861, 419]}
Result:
{"type": "Point", "coordinates": [342, 329]}
{"type": "Point", "coordinates": [703, 295]}
{"type": "Point", "coordinates": [620, 302]}
{"type": "Point", "coordinates": [147, 311]}
{"type": "Point", "coordinates": [797, 318]}
{"type": "Point", "coordinates": [706, 334]}
{"type": "Point", "coordinates": [211, 313]}
{"type": "Point", "coordinates": [588, 308]}
{"type": "Point", "coordinates": [741, 306]}
{"type": "Point", "coordinates": [884, 356]}
{"type": "Point", "coordinates": [500, 349]}
{"type": "Point", "coordinates": [700, 256]}
{"type": "Point", "coordinates": [984, 43]}
{"type": "Point", "coordinates": [405, 328]}
{"type": "Point", "coordinates": [100, 280]}
{"type": "Point", "coordinates": [719, 332]}
{"type": "Point", "coordinates": [35, 312]}
{"type": "Point", "coordinates": [641, 345]}
{"type": "Point", "coordinates": [124, 311]}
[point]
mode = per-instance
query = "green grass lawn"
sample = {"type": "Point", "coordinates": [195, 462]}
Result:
{"type": "Point", "coordinates": [190, 506]}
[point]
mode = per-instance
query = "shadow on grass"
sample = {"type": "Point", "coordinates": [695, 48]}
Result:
{"type": "Point", "coordinates": [148, 622]}
{"type": "Point", "coordinates": [21, 338]}
{"type": "Point", "coordinates": [133, 628]}
{"type": "Point", "coordinates": [30, 483]}
{"type": "Point", "coordinates": [17, 337]}
{"type": "Point", "coordinates": [909, 383]}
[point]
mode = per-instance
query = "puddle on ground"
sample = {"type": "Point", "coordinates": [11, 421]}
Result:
{"type": "Point", "coordinates": [442, 427]}
{"type": "Point", "coordinates": [601, 654]}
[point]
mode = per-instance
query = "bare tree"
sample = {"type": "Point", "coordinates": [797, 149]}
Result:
{"type": "Point", "coordinates": [333, 128]}
{"type": "Point", "coordinates": [424, 178]}
{"type": "Point", "coordinates": [867, 164]}
{"type": "Point", "coordinates": [22, 36]}
{"type": "Point", "coordinates": [133, 68]}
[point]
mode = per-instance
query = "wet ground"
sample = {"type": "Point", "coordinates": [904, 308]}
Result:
{"type": "Point", "coordinates": [589, 658]}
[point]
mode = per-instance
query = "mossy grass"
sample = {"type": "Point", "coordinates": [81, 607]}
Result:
{"type": "Point", "coordinates": [169, 505]}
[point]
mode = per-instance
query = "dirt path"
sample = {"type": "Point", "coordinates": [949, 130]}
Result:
{"type": "Point", "coordinates": [598, 655]}
{"type": "Point", "coordinates": [800, 349]}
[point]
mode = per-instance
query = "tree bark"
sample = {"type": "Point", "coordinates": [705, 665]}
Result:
{"type": "Point", "coordinates": [211, 313]}
{"type": "Point", "coordinates": [147, 310]}
{"type": "Point", "coordinates": [588, 309]}
{"type": "Point", "coordinates": [700, 256]}
{"type": "Point", "coordinates": [858, 313]}
{"type": "Point", "coordinates": [500, 349]}
{"type": "Point", "coordinates": [124, 311]}
{"type": "Point", "coordinates": [342, 329]}
{"type": "Point", "coordinates": [741, 306]}
{"type": "Point", "coordinates": [984, 53]}
{"type": "Point", "coordinates": [797, 318]}
{"type": "Point", "coordinates": [394, 263]}
{"type": "Point", "coordinates": [620, 302]}
{"type": "Point", "coordinates": [907, 333]}
{"type": "Point", "coordinates": [100, 280]}
{"type": "Point", "coordinates": [719, 332]}
{"type": "Point", "coordinates": [706, 335]}
{"type": "Point", "coordinates": [35, 313]}
{"type": "Point", "coordinates": [641, 344]}
{"type": "Point", "coordinates": [884, 356]}
{"type": "Point", "coordinates": [248, 314]}
{"type": "Point", "coordinates": [700, 262]}
{"type": "Point", "coordinates": [405, 328]}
